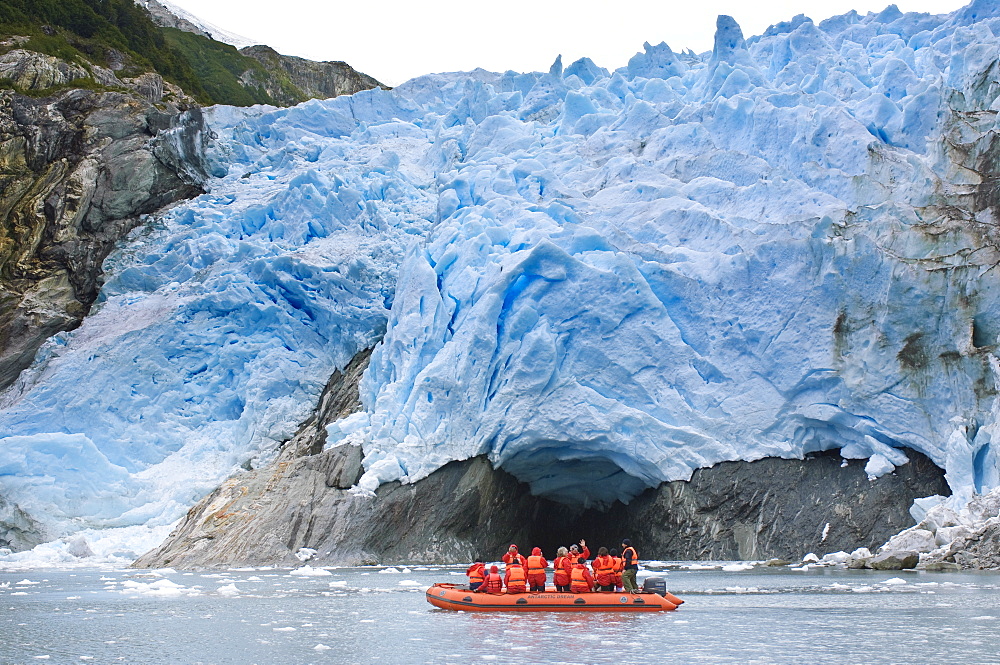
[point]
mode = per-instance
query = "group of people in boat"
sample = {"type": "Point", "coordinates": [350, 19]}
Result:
{"type": "Point", "coordinates": [611, 570]}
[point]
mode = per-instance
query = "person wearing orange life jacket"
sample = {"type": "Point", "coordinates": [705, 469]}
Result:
{"type": "Point", "coordinates": [574, 554]}
{"type": "Point", "coordinates": [619, 566]}
{"type": "Point", "coordinates": [516, 578]}
{"type": "Point", "coordinates": [477, 574]}
{"type": "Point", "coordinates": [511, 554]}
{"type": "Point", "coordinates": [630, 566]}
{"type": "Point", "coordinates": [536, 570]}
{"type": "Point", "coordinates": [604, 570]}
{"type": "Point", "coordinates": [581, 581]}
{"type": "Point", "coordinates": [577, 551]}
{"type": "Point", "coordinates": [493, 582]}
{"type": "Point", "coordinates": [560, 572]}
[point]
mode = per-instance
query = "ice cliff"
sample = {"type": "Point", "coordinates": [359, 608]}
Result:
{"type": "Point", "coordinates": [601, 280]}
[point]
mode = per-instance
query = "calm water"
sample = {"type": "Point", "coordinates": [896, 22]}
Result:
{"type": "Point", "coordinates": [361, 615]}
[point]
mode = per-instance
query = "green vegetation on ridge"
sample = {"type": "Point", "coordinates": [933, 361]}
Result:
{"type": "Point", "coordinates": [119, 32]}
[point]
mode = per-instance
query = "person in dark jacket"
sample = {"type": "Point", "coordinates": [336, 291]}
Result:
{"type": "Point", "coordinates": [630, 565]}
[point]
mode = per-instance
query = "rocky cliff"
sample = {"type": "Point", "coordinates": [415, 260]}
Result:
{"type": "Point", "coordinates": [283, 79]}
{"type": "Point", "coordinates": [315, 80]}
{"type": "Point", "coordinates": [78, 168]}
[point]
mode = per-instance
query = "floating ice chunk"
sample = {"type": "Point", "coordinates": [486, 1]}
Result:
{"type": "Point", "coordinates": [228, 590]}
{"type": "Point", "coordinates": [894, 581]}
{"type": "Point", "coordinates": [737, 567]}
{"type": "Point", "coordinates": [810, 558]}
{"type": "Point", "coordinates": [321, 647]}
{"type": "Point", "coordinates": [309, 571]}
{"type": "Point", "coordinates": [284, 629]}
{"type": "Point", "coordinates": [390, 571]}
{"type": "Point", "coordinates": [160, 588]}
{"type": "Point", "coordinates": [410, 583]}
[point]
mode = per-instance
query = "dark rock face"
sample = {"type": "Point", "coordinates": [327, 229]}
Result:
{"type": "Point", "coordinates": [768, 508]}
{"type": "Point", "coordinates": [980, 550]}
{"type": "Point", "coordinates": [736, 510]}
{"type": "Point", "coordinates": [316, 80]}
{"type": "Point", "coordinates": [76, 172]}
{"type": "Point", "coordinates": [20, 532]}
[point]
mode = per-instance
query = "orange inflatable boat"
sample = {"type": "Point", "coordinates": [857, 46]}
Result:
{"type": "Point", "coordinates": [458, 597]}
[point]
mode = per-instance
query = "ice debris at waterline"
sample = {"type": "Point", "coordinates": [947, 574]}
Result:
{"type": "Point", "coordinates": [602, 280]}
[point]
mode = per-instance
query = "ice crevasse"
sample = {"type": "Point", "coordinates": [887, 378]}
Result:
{"type": "Point", "coordinates": [601, 280]}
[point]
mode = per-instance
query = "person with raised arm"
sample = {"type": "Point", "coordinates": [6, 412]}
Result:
{"type": "Point", "coordinates": [512, 554]}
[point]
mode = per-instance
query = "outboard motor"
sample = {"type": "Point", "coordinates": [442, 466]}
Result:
{"type": "Point", "coordinates": [656, 585]}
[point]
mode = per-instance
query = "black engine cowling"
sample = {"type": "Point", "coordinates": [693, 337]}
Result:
{"type": "Point", "coordinates": [656, 585]}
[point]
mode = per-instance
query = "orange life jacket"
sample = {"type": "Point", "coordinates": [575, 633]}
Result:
{"type": "Point", "coordinates": [619, 563]}
{"type": "Point", "coordinates": [476, 574]}
{"type": "Point", "coordinates": [559, 574]}
{"type": "Point", "coordinates": [579, 577]}
{"type": "Point", "coordinates": [635, 556]}
{"type": "Point", "coordinates": [604, 565]}
{"type": "Point", "coordinates": [516, 577]}
{"type": "Point", "coordinates": [493, 583]}
{"type": "Point", "coordinates": [535, 564]}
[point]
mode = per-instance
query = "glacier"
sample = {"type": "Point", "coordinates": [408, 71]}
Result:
{"type": "Point", "coordinates": [602, 280]}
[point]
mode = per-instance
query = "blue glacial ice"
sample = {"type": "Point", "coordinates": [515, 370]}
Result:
{"type": "Point", "coordinates": [601, 280]}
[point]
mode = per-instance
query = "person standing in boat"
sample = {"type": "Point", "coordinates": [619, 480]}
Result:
{"type": "Point", "coordinates": [561, 570]}
{"type": "Point", "coordinates": [536, 570]}
{"type": "Point", "coordinates": [512, 554]}
{"type": "Point", "coordinates": [581, 581]}
{"type": "Point", "coordinates": [604, 570]}
{"type": "Point", "coordinates": [630, 566]}
{"type": "Point", "coordinates": [477, 574]}
{"type": "Point", "coordinates": [493, 582]}
{"type": "Point", "coordinates": [516, 578]}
